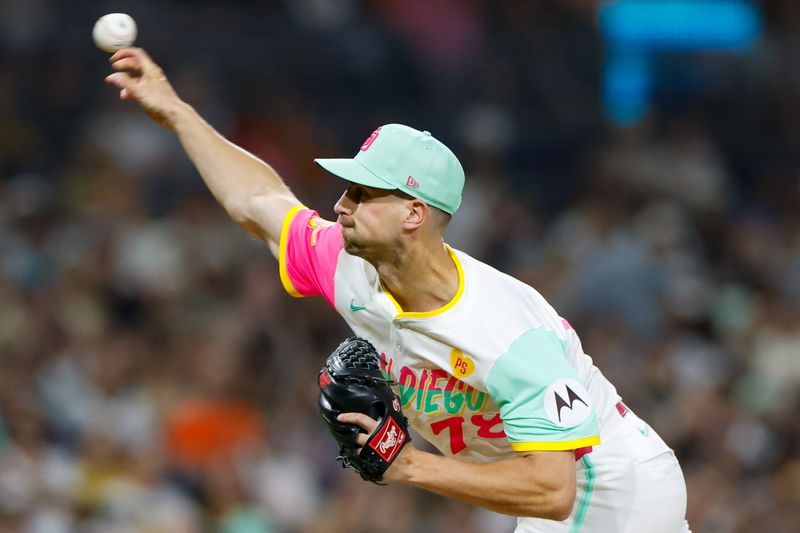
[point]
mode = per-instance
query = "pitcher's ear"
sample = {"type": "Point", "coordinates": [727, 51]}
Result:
{"type": "Point", "coordinates": [418, 213]}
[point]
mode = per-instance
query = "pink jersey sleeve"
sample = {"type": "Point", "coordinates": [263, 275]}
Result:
{"type": "Point", "coordinates": [309, 250]}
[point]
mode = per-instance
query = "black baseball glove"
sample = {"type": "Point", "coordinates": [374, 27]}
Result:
{"type": "Point", "coordinates": [351, 382]}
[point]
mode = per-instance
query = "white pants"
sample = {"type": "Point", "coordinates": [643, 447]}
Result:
{"type": "Point", "coordinates": [631, 483]}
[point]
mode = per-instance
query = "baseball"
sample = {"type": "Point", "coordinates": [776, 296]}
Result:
{"type": "Point", "coordinates": [114, 31]}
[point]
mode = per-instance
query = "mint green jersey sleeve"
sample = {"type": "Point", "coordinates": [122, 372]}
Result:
{"type": "Point", "coordinates": [542, 403]}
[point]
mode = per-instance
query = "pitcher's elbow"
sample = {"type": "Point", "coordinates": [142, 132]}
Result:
{"type": "Point", "coordinates": [558, 505]}
{"type": "Point", "coordinates": [562, 504]}
{"type": "Point", "coordinates": [237, 210]}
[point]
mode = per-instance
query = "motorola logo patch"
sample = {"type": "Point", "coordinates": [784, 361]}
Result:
{"type": "Point", "coordinates": [567, 403]}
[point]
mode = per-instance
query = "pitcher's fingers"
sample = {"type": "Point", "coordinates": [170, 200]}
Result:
{"type": "Point", "coordinates": [145, 62]}
{"type": "Point", "coordinates": [124, 52]}
{"type": "Point", "coordinates": [359, 419]}
{"type": "Point", "coordinates": [120, 80]}
{"type": "Point", "coordinates": [138, 55]}
{"type": "Point", "coordinates": [128, 63]}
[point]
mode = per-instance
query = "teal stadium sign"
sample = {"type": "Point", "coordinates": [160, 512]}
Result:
{"type": "Point", "coordinates": [637, 32]}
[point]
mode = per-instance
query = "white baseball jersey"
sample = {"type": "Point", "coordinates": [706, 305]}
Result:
{"type": "Point", "coordinates": [494, 372]}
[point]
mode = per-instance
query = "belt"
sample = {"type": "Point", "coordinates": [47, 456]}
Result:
{"type": "Point", "coordinates": [622, 409]}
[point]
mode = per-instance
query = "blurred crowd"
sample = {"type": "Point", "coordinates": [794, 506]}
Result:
{"type": "Point", "coordinates": [156, 378]}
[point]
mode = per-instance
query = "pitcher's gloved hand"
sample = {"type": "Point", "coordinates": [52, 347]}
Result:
{"type": "Point", "coordinates": [351, 382]}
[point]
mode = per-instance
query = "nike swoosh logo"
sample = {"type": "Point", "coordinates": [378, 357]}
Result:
{"type": "Point", "coordinates": [645, 430]}
{"type": "Point", "coordinates": [354, 307]}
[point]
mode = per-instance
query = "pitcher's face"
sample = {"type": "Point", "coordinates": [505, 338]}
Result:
{"type": "Point", "coordinates": [371, 219]}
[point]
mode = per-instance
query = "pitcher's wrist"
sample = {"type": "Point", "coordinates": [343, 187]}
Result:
{"type": "Point", "coordinates": [180, 115]}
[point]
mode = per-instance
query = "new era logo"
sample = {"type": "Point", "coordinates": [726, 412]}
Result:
{"type": "Point", "coordinates": [411, 182]}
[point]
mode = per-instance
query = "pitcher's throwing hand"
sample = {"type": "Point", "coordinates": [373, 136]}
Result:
{"type": "Point", "coordinates": [139, 78]}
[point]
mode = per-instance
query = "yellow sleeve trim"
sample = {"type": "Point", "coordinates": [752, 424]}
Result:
{"type": "Point", "coordinates": [285, 281]}
{"type": "Point", "coordinates": [555, 446]}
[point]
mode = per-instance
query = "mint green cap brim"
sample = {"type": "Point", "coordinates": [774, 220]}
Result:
{"type": "Point", "coordinates": [397, 157]}
{"type": "Point", "coordinates": [352, 170]}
